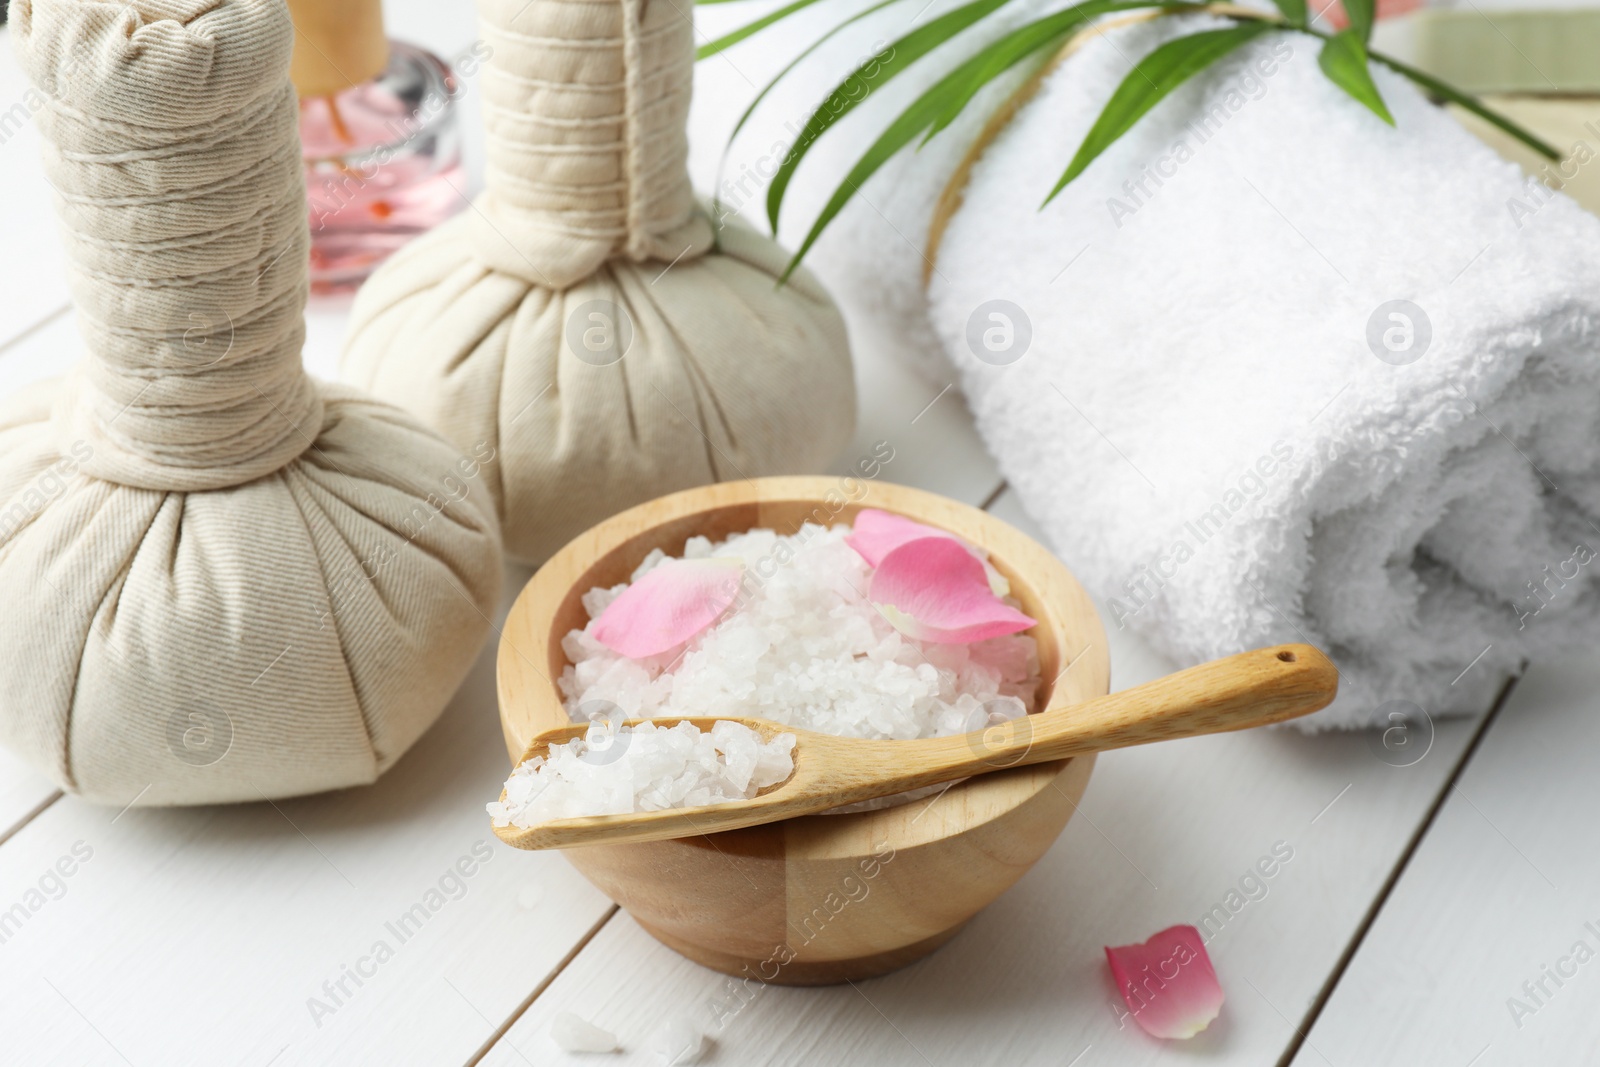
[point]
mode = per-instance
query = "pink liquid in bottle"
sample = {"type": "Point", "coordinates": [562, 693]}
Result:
{"type": "Point", "coordinates": [383, 164]}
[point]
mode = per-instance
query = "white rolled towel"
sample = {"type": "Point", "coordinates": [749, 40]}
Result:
{"type": "Point", "coordinates": [1271, 370]}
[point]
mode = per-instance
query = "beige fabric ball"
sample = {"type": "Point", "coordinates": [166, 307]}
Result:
{"type": "Point", "coordinates": [223, 581]}
{"type": "Point", "coordinates": [580, 316]}
{"type": "Point", "coordinates": [723, 376]}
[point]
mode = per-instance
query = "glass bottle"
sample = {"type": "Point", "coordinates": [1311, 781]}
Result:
{"type": "Point", "coordinates": [379, 135]}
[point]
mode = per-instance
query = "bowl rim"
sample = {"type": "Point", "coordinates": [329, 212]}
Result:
{"type": "Point", "coordinates": [526, 669]}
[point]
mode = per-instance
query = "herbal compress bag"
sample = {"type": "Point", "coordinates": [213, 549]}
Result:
{"type": "Point", "coordinates": [221, 580]}
{"type": "Point", "coordinates": [582, 317]}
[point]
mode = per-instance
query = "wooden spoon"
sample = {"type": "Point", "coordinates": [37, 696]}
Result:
{"type": "Point", "coordinates": [1250, 689]}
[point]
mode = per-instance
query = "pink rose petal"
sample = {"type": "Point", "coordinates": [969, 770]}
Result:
{"type": "Point", "coordinates": [933, 589]}
{"type": "Point", "coordinates": [673, 602]}
{"type": "Point", "coordinates": [1169, 983]}
{"type": "Point", "coordinates": [874, 534]}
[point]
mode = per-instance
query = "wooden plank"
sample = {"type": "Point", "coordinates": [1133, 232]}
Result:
{"type": "Point", "coordinates": [1501, 892]}
{"type": "Point", "coordinates": [1165, 834]}
{"type": "Point", "coordinates": [229, 934]}
{"type": "Point", "coordinates": [33, 280]}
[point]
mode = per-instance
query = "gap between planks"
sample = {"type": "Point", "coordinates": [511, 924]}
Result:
{"type": "Point", "coordinates": [511, 1020]}
{"type": "Point", "coordinates": [1309, 1020]}
{"type": "Point", "coordinates": [28, 331]}
{"type": "Point", "coordinates": [38, 810]}
{"type": "Point", "coordinates": [555, 972]}
{"type": "Point", "coordinates": [999, 491]}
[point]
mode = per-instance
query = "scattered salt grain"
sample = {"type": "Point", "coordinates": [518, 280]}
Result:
{"type": "Point", "coordinates": [679, 1043]}
{"type": "Point", "coordinates": [579, 1035]}
{"type": "Point", "coordinates": [616, 769]}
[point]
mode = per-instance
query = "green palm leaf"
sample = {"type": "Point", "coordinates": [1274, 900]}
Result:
{"type": "Point", "coordinates": [728, 40]}
{"type": "Point", "coordinates": [767, 88]}
{"type": "Point", "coordinates": [1151, 79]}
{"type": "Point", "coordinates": [1360, 13]}
{"type": "Point", "coordinates": [866, 79]}
{"type": "Point", "coordinates": [1344, 61]}
{"type": "Point", "coordinates": [1294, 11]}
{"type": "Point", "coordinates": [941, 102]}
{"type": "Point", "coordinates": [1456, 96]}
{"type": "Point", "coordinates": [1005, 53]}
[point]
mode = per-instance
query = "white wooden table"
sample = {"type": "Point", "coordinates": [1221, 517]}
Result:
{"type": "Point", "coordinates": [1417, 901]}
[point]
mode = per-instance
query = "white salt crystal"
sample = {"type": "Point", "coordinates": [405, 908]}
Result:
{"type": "Point", "coordinates": [679, 1043]}
{"type": "Point", "coordinates": [614, 770]}
{"type": "Point", "coordinates": [802, 647]}
{"type": "Point", "coordinates": [579, 1035]}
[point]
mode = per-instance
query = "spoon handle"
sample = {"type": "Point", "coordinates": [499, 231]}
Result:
{"type": "Point", "coordinates": [1250, 689]}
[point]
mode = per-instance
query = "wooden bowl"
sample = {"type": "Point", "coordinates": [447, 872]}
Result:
{"type": "Point", "coordinates": [825, 898]}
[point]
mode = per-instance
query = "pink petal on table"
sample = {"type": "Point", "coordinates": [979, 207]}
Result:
{"type": "Point", "coordinates": [1168, 982]}
{"type": "Point", "coordinates": [673, 602]}
{"type": "Point", "coordinates": [933, 589]}
{"type": "Point", "coordinates": [874, 534]}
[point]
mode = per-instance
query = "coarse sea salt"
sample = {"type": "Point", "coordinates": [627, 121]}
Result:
{"type": "Point", "coordinates": [679, 1043]}
{"type": "Point", "coordinates": [802, 646]}
{"type": "Point", "coordinates": [573, 1033]}
{"type": "Point", "coordinates": [615, 769]}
